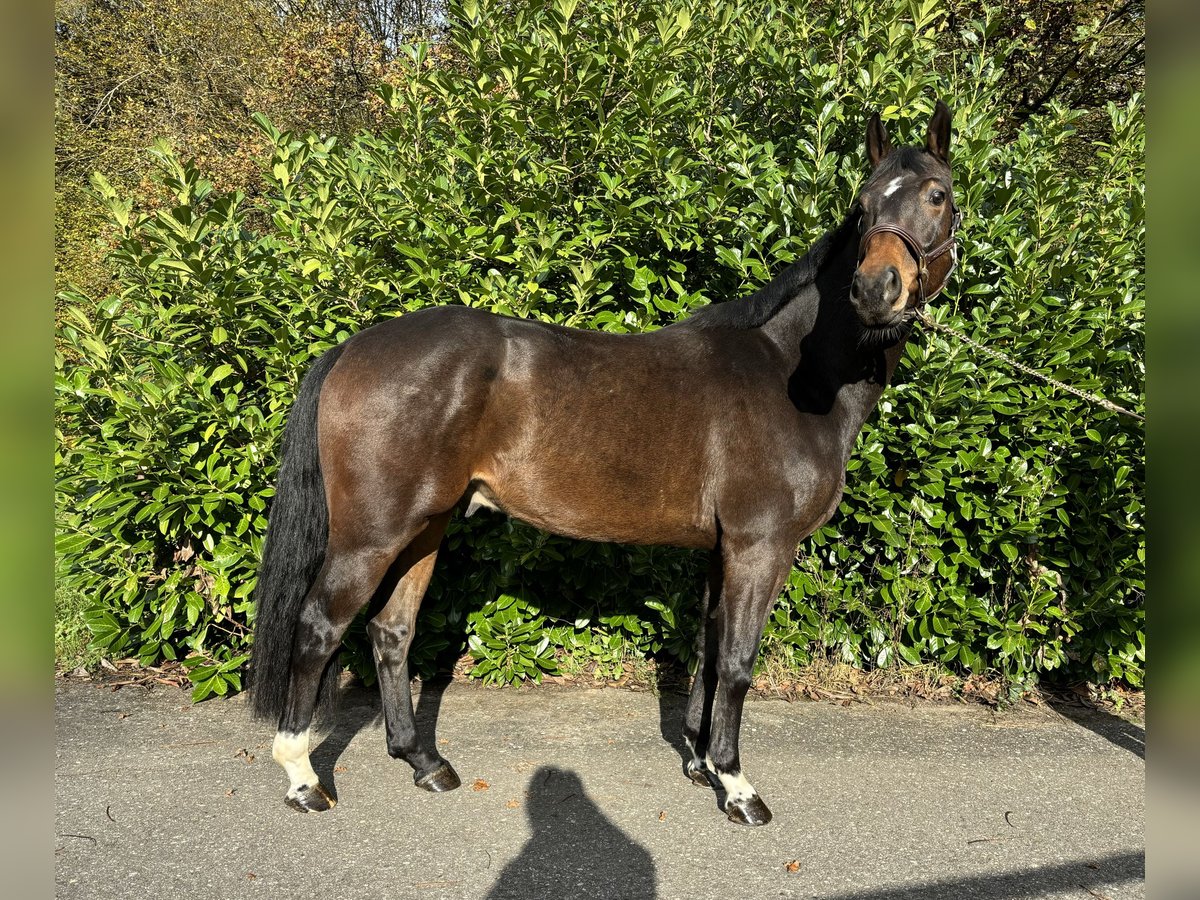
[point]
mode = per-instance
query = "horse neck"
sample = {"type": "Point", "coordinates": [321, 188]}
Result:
{"type": "Point", "coordinates": [833, 377]}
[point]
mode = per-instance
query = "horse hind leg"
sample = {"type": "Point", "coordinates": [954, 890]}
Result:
{"type": "Point", "coordinates": [391, 632]}
{"type": "Point", "coordinates": [345, 584]}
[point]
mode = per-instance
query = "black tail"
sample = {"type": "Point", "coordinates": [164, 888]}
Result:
{"type": "Point", "coordinates": [294, 550]}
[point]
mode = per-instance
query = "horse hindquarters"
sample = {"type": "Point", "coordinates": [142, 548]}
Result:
{"type": "Point", "coordinates": [372, 474]}
{"type": "Point", "coordinates": [308, 590]}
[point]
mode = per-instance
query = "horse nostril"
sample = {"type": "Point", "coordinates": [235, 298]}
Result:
{"type": "Point", "coordinates": [891, 283]}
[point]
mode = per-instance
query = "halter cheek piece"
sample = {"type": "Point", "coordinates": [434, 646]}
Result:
{"type": "Point", "coordinates": [923, 257]}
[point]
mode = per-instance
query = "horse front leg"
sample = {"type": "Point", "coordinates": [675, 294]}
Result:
{"type": "Point", "coordinates": [753, 574]}
{"type": "Point", "coordinates": [697, 722]}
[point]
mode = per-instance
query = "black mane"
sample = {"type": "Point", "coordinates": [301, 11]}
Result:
{"type": "Point", "coordinates": [759, 307]}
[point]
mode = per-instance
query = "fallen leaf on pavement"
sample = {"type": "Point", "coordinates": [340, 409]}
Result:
{"type": "Point", "coordinates": [792, 867]}
{"type": "Point", "coordinates": [480, 785]}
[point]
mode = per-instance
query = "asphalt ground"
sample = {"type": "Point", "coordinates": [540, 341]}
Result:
{"type": "Point", "coordinates": [580, 793]}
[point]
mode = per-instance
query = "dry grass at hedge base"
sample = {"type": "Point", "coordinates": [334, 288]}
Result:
{"type": "Point", "coordinates": [819, 682]}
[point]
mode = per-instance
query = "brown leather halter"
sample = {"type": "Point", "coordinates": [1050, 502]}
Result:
{"type": "Point", "coordinates": [922, 256]}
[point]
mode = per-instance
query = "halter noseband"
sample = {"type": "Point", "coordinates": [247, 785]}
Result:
{"type": "Point", "coordinates": [923, 257]}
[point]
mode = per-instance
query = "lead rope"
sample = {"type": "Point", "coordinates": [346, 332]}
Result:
{"type": "Point", "coordinates": [926, 319]}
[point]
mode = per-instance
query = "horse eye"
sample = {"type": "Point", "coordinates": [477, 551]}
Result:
{"type": "Point", "coordinates": [937, 198]}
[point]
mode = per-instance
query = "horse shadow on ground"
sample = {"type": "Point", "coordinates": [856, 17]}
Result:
{"type": "Point", "coordinates": [673, 684]}
{"type": "Point", "coordinates": [572, 846]}
{"type": "Point", "coordinates": [672, 706]}
{"type": "Point", "coordinates": [1117, 731]}
{"type": "Point", "coordinates": [1072, 877]}
{"type": "Point", "coordinates": [574, 850]}
{"type": "Point", "coordinates": [359, 707]}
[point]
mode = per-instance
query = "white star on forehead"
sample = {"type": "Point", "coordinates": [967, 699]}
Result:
{"type": "Point", "coordinates": [893, 186]}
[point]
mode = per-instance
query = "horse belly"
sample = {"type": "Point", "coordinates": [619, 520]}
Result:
{"type": "Point", "coordinates": [597, 523]}
{"type": "Point", "coordinates": [599, 500]}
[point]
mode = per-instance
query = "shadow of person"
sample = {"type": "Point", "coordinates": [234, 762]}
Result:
{"type": "Point", "coordinates": [574, 851]}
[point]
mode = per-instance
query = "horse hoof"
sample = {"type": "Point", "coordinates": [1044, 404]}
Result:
{"type": "Point", "coordinates": [698, 774]}
{"type": "Point", "coordinates": [310, 798]}
{"type": "Point", "coordinates": [440, 780]}
{"type": "Point", "coordinates": [751, 811]}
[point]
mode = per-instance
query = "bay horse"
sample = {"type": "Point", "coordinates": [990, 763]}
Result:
{"type": "Point", "coordinates": [728, 431]}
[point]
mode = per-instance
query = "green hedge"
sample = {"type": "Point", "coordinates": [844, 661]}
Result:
{"type": "Point", "coordinates": [615, 165]}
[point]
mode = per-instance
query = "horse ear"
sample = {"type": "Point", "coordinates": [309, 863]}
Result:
{"type": "Point", "coordinates": [937, 141]}
{"type": "Point", "coordinates": [878, 144]}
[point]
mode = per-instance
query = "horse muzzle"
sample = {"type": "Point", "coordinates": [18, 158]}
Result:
{"type": "Point", "coordinates": [879, 298]}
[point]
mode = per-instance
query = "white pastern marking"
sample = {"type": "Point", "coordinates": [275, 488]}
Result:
{"type": "Point", "coordinates": [736, 785]}
{"type": "Point", "coordinates": [291, 752]}
{"type": "Point", "coordinates": [893, 186]}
